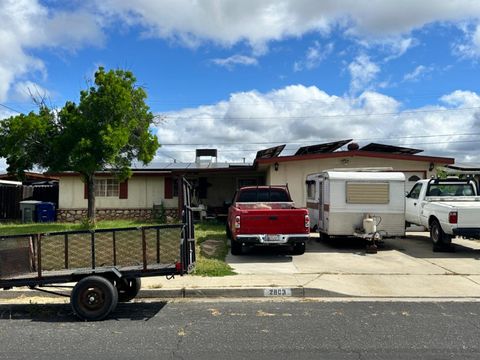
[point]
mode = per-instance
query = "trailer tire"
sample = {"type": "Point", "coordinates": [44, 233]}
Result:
{"type": "Point", "coordinates": [235, 247]}
{"type": "Point", "coordinates": [128, 288]}
{"type": "Point", "coordinates": [298, 249]}
{"type": "Point", "coordinates": [440, 240]}
{"type": "Point", "coordinates": [93, 298]}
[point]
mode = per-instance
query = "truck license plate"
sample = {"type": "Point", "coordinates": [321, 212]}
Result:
{"type": "Point", "coordinates": [272, 238]}
{"type": "Point", "coordinates": [277, 292]}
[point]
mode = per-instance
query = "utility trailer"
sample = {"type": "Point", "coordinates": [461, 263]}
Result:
{"type": "Point", "coordinates": [365, 203]}
{"type": "Point", "coordinates": [105, 264]}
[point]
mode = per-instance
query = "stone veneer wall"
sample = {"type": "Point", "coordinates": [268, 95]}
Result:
{"type": "Point", "coordinates": [77, 215]}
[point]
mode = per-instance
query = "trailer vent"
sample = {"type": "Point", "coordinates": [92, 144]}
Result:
{"type": "Point", "coordinates": [367, 193]}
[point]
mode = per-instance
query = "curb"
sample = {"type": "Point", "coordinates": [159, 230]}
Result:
{"type": "Point", "coordinates": [239, 292]}
{"type": "Point", "coordinates": [232, 293]}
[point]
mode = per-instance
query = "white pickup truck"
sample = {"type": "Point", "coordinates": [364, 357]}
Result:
{"type": "Point", "coordinates": [447, 208]}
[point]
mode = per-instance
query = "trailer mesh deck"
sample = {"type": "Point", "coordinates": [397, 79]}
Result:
{"type": "Point", "coordinates": [61, 254]}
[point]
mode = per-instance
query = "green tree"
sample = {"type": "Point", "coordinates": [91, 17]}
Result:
{"type": "Point", "coordinates": [105, 131]}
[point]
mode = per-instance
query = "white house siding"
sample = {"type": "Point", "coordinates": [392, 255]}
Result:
{"type": "Point", "coordinates": [143, 192]}
{"type": "Point", "coordinates": [295, 172]}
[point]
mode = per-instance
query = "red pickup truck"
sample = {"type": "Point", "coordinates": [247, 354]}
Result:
{"type": "Point", "coordinates": [266, 215]}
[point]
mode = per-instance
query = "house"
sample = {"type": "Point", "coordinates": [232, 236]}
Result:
{"type": "Point", "coordinates": [156, 184]}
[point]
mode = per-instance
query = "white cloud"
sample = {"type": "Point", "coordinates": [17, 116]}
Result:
{"type": "Point", "coordinates": [299, 115]}
{"type": "Point", "coordinates": [459, 98]}
{"type": "Point", "coordinates": [363, 72]}
{"type": "Point", "coordinates": [27, 25]}
{"type": "Point", "coordinates": [235, 60]}
{"type": "Point", "coordinates": [23, 91]}
{"type": "Point", "coordinates": [314, 56]}
{"type": "Point", "coordinates": [419, 72]}
{"type": "Point", "coordinates": [469, 47]}
{"type": "Point", "coordinates": [257, 22]}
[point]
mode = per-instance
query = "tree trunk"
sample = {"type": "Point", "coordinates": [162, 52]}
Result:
{"type": "Point", "coordinates": [90, 179]}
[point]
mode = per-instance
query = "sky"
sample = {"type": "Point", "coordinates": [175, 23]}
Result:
{"type": "Point", "coordinates": [241, 76]}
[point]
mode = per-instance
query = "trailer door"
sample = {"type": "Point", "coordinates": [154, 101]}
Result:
{"type": "Point", "coordinates": [321, 209]}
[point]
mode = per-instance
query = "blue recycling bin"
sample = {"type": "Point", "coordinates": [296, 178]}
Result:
{"type": "Point", "coordinates": [45, 212]}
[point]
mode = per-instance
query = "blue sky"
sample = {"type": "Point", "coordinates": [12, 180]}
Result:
{"type": "Point", "coordinates": [245, 75]}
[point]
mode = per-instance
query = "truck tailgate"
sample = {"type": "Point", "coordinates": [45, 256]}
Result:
{"type": "Point", "coordinates": [275, 221]}
{"type": "Point", "coordinates": [469, 217]}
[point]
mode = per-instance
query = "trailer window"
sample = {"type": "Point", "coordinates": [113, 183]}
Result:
{"type": "Point", "coordinates": [367, 193]}
{"type": "Point", "coordinates": [311, 193]}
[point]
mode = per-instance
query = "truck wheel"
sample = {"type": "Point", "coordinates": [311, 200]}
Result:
{"type": "Point", "coordinates": [93, 298]}
{"type": "Point", "coordinates": [298, 249]}
{"type": "Point", "coordinates": [235, 247]}
{"type": "Point", "coordinates": [128, 288]}
{"type": "Point", "coordinates": [440, 240]}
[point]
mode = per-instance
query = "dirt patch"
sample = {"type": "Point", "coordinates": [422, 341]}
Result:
{"type": "Point", "coordinates": [211, 247]}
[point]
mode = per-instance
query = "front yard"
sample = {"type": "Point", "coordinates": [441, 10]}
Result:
{"type": "Point", "coordinates": [211, 243]}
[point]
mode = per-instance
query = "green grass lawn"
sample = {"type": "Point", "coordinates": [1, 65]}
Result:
{"type": "Point", "coordinates": [213, 265]}
{"type": "Point", "coordinates": [35, 228]}
{"type": "Point", "coordinates": [207, 265]}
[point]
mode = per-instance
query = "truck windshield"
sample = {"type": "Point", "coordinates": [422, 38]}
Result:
{"type": "Point", "coordinates": [263, 195]}
{"type": "Point", "coordinates": [450, 190]}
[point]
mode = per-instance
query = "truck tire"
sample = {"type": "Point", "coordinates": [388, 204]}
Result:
{"type": "Point", "coordinates": [235, 247]}
{"type": "Point", "coordinates": [93, 298]}
{"type": "Point", "coordinates": [440, 240]}
{"type": "Point", "coordinates": [298, 249]}
{"type": "Point", "coordinates": [128, 288]}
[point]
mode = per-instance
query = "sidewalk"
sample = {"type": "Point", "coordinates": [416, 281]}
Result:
{"type": "Point", "coordinates": [404, 268]}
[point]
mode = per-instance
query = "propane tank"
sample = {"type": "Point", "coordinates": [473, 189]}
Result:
{"type": "Point", "coordinates": [369, 224]}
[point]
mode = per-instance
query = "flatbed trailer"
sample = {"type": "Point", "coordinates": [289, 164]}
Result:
{"type": "Point", "coordinates": [105, 264]}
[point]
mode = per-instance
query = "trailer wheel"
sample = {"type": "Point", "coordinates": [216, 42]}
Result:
{"type": "Point", "coordinates": [440, 240]}
{"type": "Point", "coordinates": [93, 298]}
{"type": "Point", "coordinates": [235, 247]}
{"type": "Point", "coordinates": [128, 288]}
{"type": "Point", "coordinates": [298, 249]}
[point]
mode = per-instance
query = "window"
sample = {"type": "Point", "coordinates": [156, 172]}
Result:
{"type": "Point", "coordinates": [106, 187]}
{"type": "Point", "coordinates": [263, 195]}
{"type": "Point", "coordinates": [311, 190]}
{"type": "Point", "coordinates": [415, 192]}
{"type": "Point", "coordinates": [450, 190]}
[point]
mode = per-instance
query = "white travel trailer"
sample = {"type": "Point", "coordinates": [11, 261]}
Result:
{"type": "Point", "coordinates": [346, 203]}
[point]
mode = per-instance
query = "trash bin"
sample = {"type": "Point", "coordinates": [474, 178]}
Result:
{"type": "Point", "coordinates": [28, 210]}
{"type": "Point", "coordinates": [46, 212]}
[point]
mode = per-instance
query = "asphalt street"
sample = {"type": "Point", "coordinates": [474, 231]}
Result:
{"type": "Point", "coordinates": [247, 329]}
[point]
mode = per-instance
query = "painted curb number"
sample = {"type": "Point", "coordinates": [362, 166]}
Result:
{"type": "Point", "coordinates": [277, 292]}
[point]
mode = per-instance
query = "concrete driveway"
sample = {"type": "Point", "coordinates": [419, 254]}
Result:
{"type": "Point", "coordinates": [411, 255]}
{"type": "Point", "coordinates": [402, 267]}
